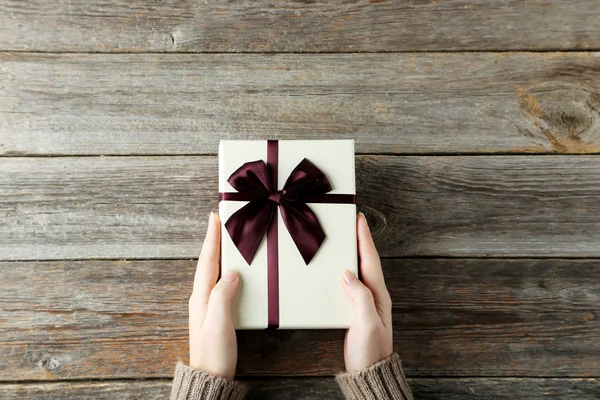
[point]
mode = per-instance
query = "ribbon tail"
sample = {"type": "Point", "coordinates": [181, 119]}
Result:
{"type": "Point", "coordinates": [248, 225]}
{"type": "Point", "coordinates": [304, 228]}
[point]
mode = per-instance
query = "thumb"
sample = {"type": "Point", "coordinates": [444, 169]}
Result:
{"type": "Point", "coordinates": [219, 302]}
{"type": "Point", "coordinates": [362, 299]}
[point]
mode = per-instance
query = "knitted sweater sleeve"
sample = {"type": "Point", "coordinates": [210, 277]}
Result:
{"type": "Point", "coordinates": [384, 380]}
{"type": "Point", "coordinates": [192, 384]}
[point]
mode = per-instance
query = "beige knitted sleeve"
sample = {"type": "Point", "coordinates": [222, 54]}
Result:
{"type": "Point", "coordinates": [192, 384]}
{"type": "Point", "coordinates": [384, 380]}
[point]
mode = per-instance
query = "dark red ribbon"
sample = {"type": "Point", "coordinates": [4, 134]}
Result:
{"type": "Point", "coordinates": [256, 182]}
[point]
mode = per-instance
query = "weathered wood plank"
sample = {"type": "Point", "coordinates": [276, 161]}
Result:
{"type": "Point", "coordinates": [306, 26]}
{"type": "Point", "coordinates": [90, 104]}
{"type": "Point", "coordinates": [128, 319]}
{"type": "Point", "coordinates": [511, 388]}
{"type": "Point", "coordinates": [273, 388]}
{"type": "Point", "coordinates": [157, 207]}
{"type": "Point", "coordinates": [323, 388]}
{"type": "Point", "coordinates": [107, 390]}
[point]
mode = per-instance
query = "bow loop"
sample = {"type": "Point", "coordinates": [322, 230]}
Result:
{"type": "Point", "coordinates": [252, 179]}
{"type": "Point", "coordinates": [306, 179]}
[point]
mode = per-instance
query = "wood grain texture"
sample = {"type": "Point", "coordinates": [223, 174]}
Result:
{"type": "Point", "coordinates": [157, 207]}
{"type": "Point", "coordinates": [98, 104]}
{"type": "Point", "coordinates": [108, 390]}
{"type": "Point", "coordinates": [499, 389]}
{"type": "Point", "coordinates": [322, 388]}
{"type": "Point", "coordinates": [298, 26]}
{"type": "Point", "coordinates": [473, 317]}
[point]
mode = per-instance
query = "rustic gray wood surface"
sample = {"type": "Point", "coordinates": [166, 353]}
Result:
{"type": "Point", "coordinates": [479, 174]}
{"type": "Point", "coordinates": [98, 104]}
{"type": "Point", "coordinates": [157, 207]}
{"type": "Point", "coordinates": [322, 388]}
{"type": "Point", "coordinates": [298, 26]}
{"type": "Point", "coordinates": [454, 317]}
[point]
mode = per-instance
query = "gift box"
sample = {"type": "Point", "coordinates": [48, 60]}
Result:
{"type": "Point", "coordinates": [288, 217]}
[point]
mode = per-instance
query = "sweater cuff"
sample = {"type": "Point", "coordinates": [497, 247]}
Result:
{"type": "Point", "coordinates": [384, 380]}
{"type": "Point", "coordinates": [193, 384]}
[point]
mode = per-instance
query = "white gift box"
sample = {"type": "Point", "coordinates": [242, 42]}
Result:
{"type": "Point", "coordinates": [309, 296]}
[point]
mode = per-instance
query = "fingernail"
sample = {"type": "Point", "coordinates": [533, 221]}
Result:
{"type": "Point", "coordinates": [349, 277]}
{"type": "Point", "coordinates": [229, 276]}
{"type": "Point", "coordinates": [366, 221]}
{"type": "Point", "coordinates": [363, 216]}
{"type": "Point", "coordinates": [213, 217]}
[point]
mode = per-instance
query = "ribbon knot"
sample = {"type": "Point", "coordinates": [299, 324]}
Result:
{"type": "Point", "coordinates": [249, 224]}
{"type": "Point", "coordinates": [276, 197]}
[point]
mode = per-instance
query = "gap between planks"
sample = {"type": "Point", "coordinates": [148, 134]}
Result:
{"type": "Point", "coordinates": [449, 51]}
{"type": "Point", "coordinates": [252, 378]}
{"type": "Point", "coordinates": [407, 257]}
{"type": "Point", "coordinates": [412, 155]}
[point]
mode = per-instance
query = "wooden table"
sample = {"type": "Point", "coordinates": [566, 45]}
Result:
{"type": "Point", "coordinates": [477, 128]}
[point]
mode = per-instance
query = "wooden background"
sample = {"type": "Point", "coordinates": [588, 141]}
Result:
{"type": "Point", "coordinates": [477, 128]}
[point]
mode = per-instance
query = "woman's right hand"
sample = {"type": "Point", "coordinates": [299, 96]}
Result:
{"type": "Point", "coordinates": [370, 337]}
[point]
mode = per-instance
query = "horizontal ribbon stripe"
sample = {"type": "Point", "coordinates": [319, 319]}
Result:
{"type": "Point", "coordinates": [316, 198]}
{"type": "Point", "coordinates": [235, 197]}
{"type": "Point", "coordinates": [329, 199]}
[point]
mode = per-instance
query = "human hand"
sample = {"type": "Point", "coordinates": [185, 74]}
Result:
{"type": "Point", "coordinates": [213, 346]}
{"type": "Point", "coordinates": [369, 338]}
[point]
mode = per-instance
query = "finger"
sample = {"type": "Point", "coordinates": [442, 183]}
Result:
{"type": "Point", "coordinates": [370, 266]}
{"type": "Point", "coordinates": [370, 269]}
{"type": "Point", "coordinates": [207, 270]}
{"type": "Point", "coordinates": [219, 303]}
{"type": "Point", "coordinates": [362, 300]}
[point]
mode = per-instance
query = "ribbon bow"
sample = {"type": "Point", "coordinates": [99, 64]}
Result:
{"type": "Point", "coordinates": [249, 224]}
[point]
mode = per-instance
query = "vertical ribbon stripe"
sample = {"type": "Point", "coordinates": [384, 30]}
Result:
{"type": "Point", "coordinates": [272, 238]}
